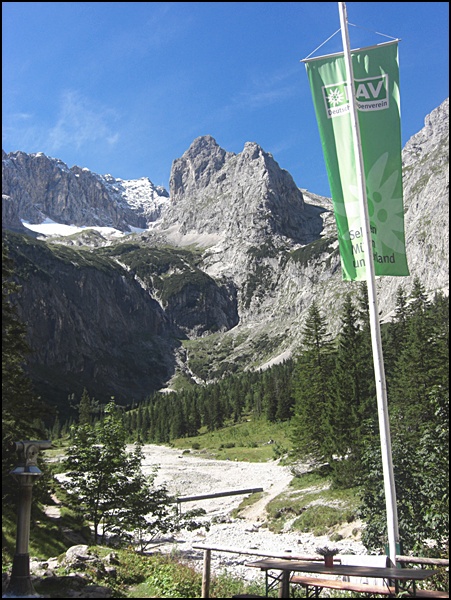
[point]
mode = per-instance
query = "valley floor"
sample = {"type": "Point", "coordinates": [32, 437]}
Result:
{"type": "Point", "coordinates": [190, 474]}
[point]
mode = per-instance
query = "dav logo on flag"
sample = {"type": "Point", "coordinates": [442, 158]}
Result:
{"type": "Point", "coordinates": [371, 94]}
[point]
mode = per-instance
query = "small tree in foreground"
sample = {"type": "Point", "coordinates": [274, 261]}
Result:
{"type": "Point", "coordinates": [108, 488]}
{"type": "Point", "coordinates": [149, 511]}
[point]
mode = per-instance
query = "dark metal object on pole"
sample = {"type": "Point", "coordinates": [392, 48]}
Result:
{"type": "Point", "coordinates": [26, 473]}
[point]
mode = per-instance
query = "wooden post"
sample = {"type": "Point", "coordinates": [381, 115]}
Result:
{"type": "Point", "coordinates": [206, 574]}
{"type": "Point", "coordinates": [284, 586]}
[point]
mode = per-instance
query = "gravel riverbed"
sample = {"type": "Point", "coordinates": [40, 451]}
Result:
{"type": "Point", "coordinates": [189, 474]}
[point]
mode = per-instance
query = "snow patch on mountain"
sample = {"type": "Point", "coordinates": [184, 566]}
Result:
{"type": "Point", "coordinates": [140, 195]}
{"type": "Point", "coordinates": [49, 228]}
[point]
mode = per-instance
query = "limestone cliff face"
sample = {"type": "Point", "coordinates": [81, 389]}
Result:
{"type": "Point", "coordinates": [111, 322]}
{"type": "Point", "coordinates": [250, 215]}
{"type": "Point", "coordinates": [10, 214]}
{"type": "Point", "coordinates": [90, 324]}
{"type": "Point", "coordinates": [244, 197]}
{"type": "Point", "coordinates": [45, 188]}
{"type": "Point", "coordinates": [426, 194]}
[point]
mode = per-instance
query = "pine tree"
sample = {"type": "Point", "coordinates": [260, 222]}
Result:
{"type": "Point", "coordinates": [84, 408]}
{"type": "Point", "coordinates": [177, 425]}
{"type": "Point", "coordinates": [217, 410]}
{"type": "Point", "coordinates": [416, 368]}
{"type": "Point", "coordinates": [351, 407]}
{"type": "Point", "coordinates": [145, 426]}
{"type": "Point", "coordinates": [22, 411]}
{"type": "Point", "coordinates": [312, 388]}
{"type": "Point", "coordinates": [269, 396]}
{"type": "Point", "coordinates": [285, 401]}
{"type": "Point", "coordinates": [394, 335]}
{"type": "Point", "coordinates": [192, 413]}
{"type": "Point", "coordinates": [56, 429]}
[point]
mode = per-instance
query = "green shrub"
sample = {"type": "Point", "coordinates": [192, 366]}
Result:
{"type": "Point", "coordinates": [225, 585]}
{"type": "Point", "coordinates": [320, 519]}
{"type": "Point", "coordinates": [166, 577]}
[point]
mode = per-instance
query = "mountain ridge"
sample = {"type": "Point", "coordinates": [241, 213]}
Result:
{"type": "Point", "coordinates": [231, 258]}
{"type": "Point", "coordinates": [44, 187]}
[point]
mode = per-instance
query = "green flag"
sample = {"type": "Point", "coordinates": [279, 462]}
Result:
{"type": "Point", "coordinates": [376, 78]}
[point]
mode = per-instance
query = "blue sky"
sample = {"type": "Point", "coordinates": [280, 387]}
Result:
{"type": "Point", "coordinates": [125, 87]}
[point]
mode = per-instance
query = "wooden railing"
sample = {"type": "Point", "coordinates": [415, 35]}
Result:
{"type": "Point", "coordinates": [182, 499]}
{"type": "Point", "coordinates": [422, 560]}
{"type": "Point", "coordinates": [206, 572]}
{"type": "Point", "coordinates": [208, 549]}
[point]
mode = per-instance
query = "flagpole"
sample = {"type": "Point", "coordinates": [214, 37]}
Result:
{"type": "Point", "coordinates": [381, 388]}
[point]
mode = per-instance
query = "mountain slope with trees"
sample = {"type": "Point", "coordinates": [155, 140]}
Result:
{"type": "Point", "coordinates": [222, 281]}
{"type": "Point", "coordinates": [327, 395]}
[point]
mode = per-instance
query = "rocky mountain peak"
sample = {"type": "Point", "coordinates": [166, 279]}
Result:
{"type": "Point", "coordinates": [196, 169]}
{"type": "Point", "coordinates": [253, 151]}
{"type": "Point", "coordinates": [203, 144]}
{"type": "Point", "coordinates": [431, 138]}
{"type": "Point", "coordinates": [238, 197]}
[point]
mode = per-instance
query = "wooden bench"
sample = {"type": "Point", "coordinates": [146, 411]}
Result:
{"type": "Point", "coordinates": [345, 586]}
{"type": "Point", "coordinates": [247, 596]}
{"type": "Point", "coordinates": [431, 594]}
{"type": "Point", "coordinates": [361, 588]}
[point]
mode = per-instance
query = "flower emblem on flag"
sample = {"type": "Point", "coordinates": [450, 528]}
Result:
{"type": "Point", "coordinates": [335, 97]}
{"type": "Point", "coordinates": [383, 207]}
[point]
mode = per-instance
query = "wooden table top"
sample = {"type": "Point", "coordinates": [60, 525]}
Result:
{"type": "Point", "coordinates": [340, 570]}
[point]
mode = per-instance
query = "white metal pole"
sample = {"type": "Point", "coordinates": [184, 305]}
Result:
{"type": "Point", "coordinates": [378, 360]}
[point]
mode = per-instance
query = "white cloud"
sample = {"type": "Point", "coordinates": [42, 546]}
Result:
{"type": "Point", "coordinates": [20, 117]}
{"type": "Point", "coordinates": [81, 122]}
{"type": "Point", "coordinates": [265, 97]}
{"type": "Point", "coordinates": [262, 91]}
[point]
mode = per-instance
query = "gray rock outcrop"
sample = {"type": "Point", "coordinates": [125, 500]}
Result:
{"type": "Point", "coordinates": [244, 197]}
{"type": "Point", "coordinates": [45, 188]}
{"type": "Point", "coordinates": [426, 193]}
